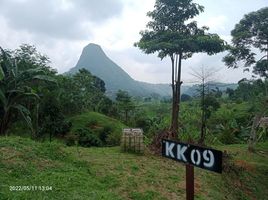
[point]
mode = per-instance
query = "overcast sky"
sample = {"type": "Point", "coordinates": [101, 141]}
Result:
{"type": "Point", "coordinates": [61, 28]}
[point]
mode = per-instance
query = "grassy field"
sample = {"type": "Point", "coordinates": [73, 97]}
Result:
{"type": "Point", "coordinates": [107, 173]}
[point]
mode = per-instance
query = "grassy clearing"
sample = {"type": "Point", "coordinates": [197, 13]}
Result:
{"type": "Point", "coordinates": [107, 173]}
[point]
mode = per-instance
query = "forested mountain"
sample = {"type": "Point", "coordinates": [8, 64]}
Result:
{"type": "Point", "coordinates": [96, 61]}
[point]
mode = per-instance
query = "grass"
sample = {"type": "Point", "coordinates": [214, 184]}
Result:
{"type": "Point", "coordinates": [107, 173]}
{"type": "Point", "coordinates": [95, 119]}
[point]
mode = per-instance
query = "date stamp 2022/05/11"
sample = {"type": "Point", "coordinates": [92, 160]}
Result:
{"type": "Point", "coordinates": [30, 188]}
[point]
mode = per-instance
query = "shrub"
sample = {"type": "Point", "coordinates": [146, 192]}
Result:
{"type": "Point", "coordinates": [71, 139]}
{"type": "Point", "coordinates": [87, 138]}
{"type": "Point", "coordinates": [103, 134]}
{"type": "Point", "coordinates": [51, 119]}
{"type": "Point", "coordinates": [92, 123]}
{"type": "Point", "coordinates": [228, 136]}
{"type": "Point", "coordinates": [114, 139]}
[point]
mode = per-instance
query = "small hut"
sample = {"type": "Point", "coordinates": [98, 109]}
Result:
{"type": "Point", "coordinates": [132, 140]}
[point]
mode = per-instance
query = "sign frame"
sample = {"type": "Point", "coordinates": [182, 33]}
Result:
{"type": "Point", "coordinates": [202, 157]}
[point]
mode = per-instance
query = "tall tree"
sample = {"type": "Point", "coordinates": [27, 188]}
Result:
{"type": "Point", "coordinates": [204, 77]}
{"type": "Point", "coordinates": [172, 33]}
{"type": "Point", "coordinates": [124, 103]}
{"type": "Point", "coordinates": [249, 34]}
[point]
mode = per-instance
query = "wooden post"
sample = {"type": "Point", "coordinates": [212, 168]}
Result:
{"type": "Point", "coordinates": [189, 182]}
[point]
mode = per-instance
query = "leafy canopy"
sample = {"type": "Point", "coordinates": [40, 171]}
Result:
{"type": "Point", "coordinates": [249, 35]}
{"type": "Point", "coordinates": [172, 31]}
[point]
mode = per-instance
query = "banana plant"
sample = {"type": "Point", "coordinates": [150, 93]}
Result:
{"type": "Point", "coordinates": [14, 90]}
{"type": "Point", "coordinates": [1, 73]}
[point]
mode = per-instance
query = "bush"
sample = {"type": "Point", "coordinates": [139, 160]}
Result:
{"type": "Point", "coordinates": [71, 139]}
{"type": "Point", "coordinates": [114, 139]}
{"type": "Point", "coordinates": [228, 136]}
{"type": "Point", "coordinates": [103, 134]}
{"type": "Point", "coordinates": [87, 138]}
{"type": "Point", "coordinates": [144, 123]}
{"type": "Point", "coordinates": [51, 119]}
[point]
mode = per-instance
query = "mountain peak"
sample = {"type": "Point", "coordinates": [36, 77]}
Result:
{"type": "Point", "coordinates": [94, 59]}
{"type": "Point", "coordinates": [92, 48]}
{"type": "Point", "coordinates": [92, 45]}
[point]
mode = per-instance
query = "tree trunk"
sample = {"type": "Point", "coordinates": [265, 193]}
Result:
{"type": "Point", "coordinates": [4, 124]}
{"type": "Point", "coordinates": [172, 126]}
{"type": "Point", "coordinates": [175, 109]}
{"type": "Point", "coordinates": [176, 86]}
{"type": "Point", "coordinates": [126, 116]}
{"type": "Point", "coordinates": [203, 123]}
{"type": "Point", "coordinates": [253, 137]}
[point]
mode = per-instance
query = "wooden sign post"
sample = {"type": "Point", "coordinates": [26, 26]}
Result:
{"type": "Point", "coordinates": [189, 182]}
{"type": "Point", "coordinates": [193, 156]}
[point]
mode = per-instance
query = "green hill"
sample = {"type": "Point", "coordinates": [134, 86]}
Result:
{"type": "Point", "coordinates": [107, 173]}
{"type": "Point", "coordinates": [98, 123]}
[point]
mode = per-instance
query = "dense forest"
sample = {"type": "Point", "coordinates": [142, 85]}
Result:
{"type": "Point", "coordinates": [74, 110]}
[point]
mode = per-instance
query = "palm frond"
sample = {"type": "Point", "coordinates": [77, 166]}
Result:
{"type": "Point", "coordinates": [25, 113]}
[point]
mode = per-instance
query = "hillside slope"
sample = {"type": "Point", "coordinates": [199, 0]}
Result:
{"type": "Point", "coordinates": [97, 122]}
{"type": "Point", "coordinates": [107, 173]}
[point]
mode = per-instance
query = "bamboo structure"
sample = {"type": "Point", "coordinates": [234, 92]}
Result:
{"type": "Point", "coordinates": [132, 140]}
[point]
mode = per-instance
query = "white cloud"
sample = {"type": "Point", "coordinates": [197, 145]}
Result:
{"type": "Point", "coordinates": [59, 18]}
{"type": "Point", "coordinates": [217, 23]}
{"type": "Point", "coordinates": [61, 28]}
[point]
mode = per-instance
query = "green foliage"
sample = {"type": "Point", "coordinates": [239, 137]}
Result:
{"type": "Point", "coordinates": [22, 69]}
{"type": "Point", "coordinates": [124, 103]}
{"type": "Point", "coordinates": [249, 90]}
{"type": "Point", "coordinates": [172, 33]}
{"type": "Point", "coordinates": [51, 120]}
{"type": "Point", "coordinates": [190, 121]}
{"type": "Point", "coordinates": [228, 135]}
{"type": "Point", "coordinates": [230, 92]}
{"type": "Point", "coordinates": [210, 104]}
{"type": "Point", "coordinates": [1, 73]}
{"type": "Point", "coordinates": [152, 117]}
{"type": "Point", "coordinates": [249, 33]}
{"type": "Point", "coordinates": [31, 91]}
{"type": "Point", "coordinates": [87, 138]}
{"type": "Point", "coordinates": [104, 133]}
{"type": "Point", "coordinates": [81, 92]}
{"type": "Point", "coordinates": [261, 68]}
{"type": "Point", "coordinates": [107, 106]}
{"type": "Point", "coordinates": [231, 123]}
